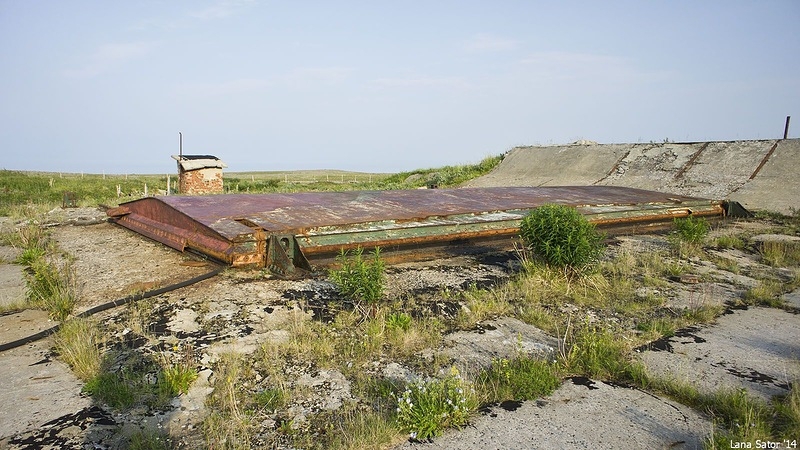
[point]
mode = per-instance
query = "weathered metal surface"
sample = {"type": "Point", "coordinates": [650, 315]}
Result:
{"type": "Point", "coordinates": [281, 230]}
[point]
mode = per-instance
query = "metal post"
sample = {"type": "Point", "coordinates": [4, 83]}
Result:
{"type": "Point", "coordinates": [786, 129]}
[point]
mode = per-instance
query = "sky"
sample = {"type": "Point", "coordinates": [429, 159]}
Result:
{"type": "Point", "coordinates": [382, 86]}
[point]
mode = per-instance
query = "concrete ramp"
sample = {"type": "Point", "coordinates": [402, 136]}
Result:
{"type": "Point", "coordinates": [776, 186]}
{"type": "Point", "coordinates": [560, 165]}
{"type": "Point", "coordinates": [759, 174]}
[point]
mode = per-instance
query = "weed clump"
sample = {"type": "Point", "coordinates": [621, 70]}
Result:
{"type": "Point", "coordinates": [359, 278]}
{"type": "Point", "coordinates": [688, 235]}
{"type": "Point", "coordinates": [426, 408]}
{"type": "Point", "coordinates": [562, 237]}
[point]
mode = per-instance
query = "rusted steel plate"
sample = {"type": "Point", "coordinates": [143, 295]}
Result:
{"type": "Point", "coordinates": [234, 227]}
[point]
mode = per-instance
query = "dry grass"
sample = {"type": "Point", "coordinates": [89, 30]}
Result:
{"type": "Point", "coordinates": [78, 343]}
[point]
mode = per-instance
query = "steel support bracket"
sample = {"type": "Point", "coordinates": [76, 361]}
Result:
{"type": "Point", "coordinates": [284, 256]}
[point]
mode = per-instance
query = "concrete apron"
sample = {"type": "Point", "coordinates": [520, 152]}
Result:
{"type": "Point", "coordinates": [756, 349]}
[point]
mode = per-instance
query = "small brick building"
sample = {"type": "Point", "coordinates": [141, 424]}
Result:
{"type": "Point", "coordinates": [199, 174]}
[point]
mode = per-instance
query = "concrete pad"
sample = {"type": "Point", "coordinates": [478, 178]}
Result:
{"type": "Point", "coordinates": [500, 338]}
{"type": "Point", "coordinates": [757, 349]}
{"type": "Point", "coordinates": [581, 414]}
{"type": "Point", "coordinates": [36, 388]}
{"type": "Point", "coordinates": [792, 299]}
{"type": "Point", "coordinates": [12, 284]}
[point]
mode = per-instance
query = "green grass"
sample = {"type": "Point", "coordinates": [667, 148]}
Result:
{"type": "Point", "coordinates": [766, 293]}
{"type": "Point", "coordinates": [176, 379]}
{"type": "Point", "coordinates": [595, 352]}
{"type": "Point", "coordinates": [447, 176]}
{"type": "Point", "coordinates": [119, 390]}
{"type": "Point", "coordinates": [738, 417]}
{"type": "Point", "coordinates": [18, 189]}
{"type": "Point", "coordinates": [780, 253]}
{"type": "Point", "coordinates": [78, 343]}
{"type": "Point", "coordinates": [52, 288]}
{"type": "Point", "coordinates": [522, 378]}
{"type": "Point", "coordinates": [688, 235]}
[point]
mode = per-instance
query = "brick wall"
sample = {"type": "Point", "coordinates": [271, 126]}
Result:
{"type": "Point", "coordinates": [201, 181]}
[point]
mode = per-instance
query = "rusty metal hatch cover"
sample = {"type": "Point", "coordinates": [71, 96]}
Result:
{"type": "Point", "coordinates": [284, 231]}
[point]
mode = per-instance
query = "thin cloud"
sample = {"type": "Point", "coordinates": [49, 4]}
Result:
{"type": "Point", "coordinates": [230, 87]}
{"type": "Point", "coordinates": [573, 66]}
{"type": "Point", "coordinates": [485, 42]}
{"type": "Point", "coordinates": [218, 10]}
{"type": "Point", "coordinates": [305, 76]}
{"type": "Point", "coordinates": [422, 81]}
{"type": "Point", "coordinates": [221, 9]}
{"type": "Point", "coordinates": [108, 57]}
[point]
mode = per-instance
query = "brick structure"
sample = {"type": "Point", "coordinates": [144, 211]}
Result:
{"type": "Point", "coordinates": [199, 174]}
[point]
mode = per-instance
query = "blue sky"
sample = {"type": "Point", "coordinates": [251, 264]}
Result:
{"type": "Point", "coordinates": [384, 86]}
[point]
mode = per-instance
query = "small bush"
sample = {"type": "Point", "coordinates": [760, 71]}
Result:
{"type": "Point", "coordinates": [358, 278]}
{"type": "Point", "coordinates": [561, 236]}
{"type": "Point", "coordinates": [425, 409]}
{"type": "Point", "coordinates": [30, 256]}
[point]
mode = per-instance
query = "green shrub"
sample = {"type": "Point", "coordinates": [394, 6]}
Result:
{"type": "Point", "coordinates": [357, 278]}
{"type": "Point", "coordinates": [730, 241]}
{"type": "Point", "coordinates": [561, 236]}
{"type": "Point", "coordinates": [426, 408]}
